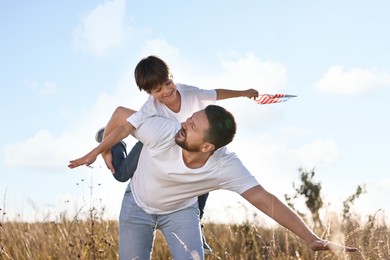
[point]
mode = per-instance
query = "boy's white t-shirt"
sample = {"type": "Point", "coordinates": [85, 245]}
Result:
{"type": "Point", "coordinates": [192, 99]}
{"type": "Point", "coordinates": [162, 183]}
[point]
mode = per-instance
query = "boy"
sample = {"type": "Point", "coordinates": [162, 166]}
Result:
{"type": "Point", "coordinates": [167, 99]}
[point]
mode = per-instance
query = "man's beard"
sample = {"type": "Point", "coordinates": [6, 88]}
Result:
{"type": "Point", "coordinates": [185, 146]}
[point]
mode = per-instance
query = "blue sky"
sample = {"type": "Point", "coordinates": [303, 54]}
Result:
{"type": "Point", "coordinates": [67, 65]}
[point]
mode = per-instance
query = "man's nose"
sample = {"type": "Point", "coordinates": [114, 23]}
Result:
{"type": "Point", "coordinates": [183, 124]}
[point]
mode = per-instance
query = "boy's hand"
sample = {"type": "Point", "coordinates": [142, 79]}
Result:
{"type": "Point", "coordinates": [87, 160]}
{"type": "Point", "coordinates": [251, 93]}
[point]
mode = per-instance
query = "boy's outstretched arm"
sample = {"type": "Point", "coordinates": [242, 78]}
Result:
{"type": "Point", "coordinates": [275, 209]}
{"type": "Point", "coordinates": [114, 137]}
{"type": "Point", "coordinates": [227, 93]}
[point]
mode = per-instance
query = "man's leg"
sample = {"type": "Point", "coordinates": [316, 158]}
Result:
{"type": "Point", "coordinates": [202, 203]}
{"type": "Point", "coordinates": [136, 230]}
{"type": "Point", "coordinates": [181, 230]}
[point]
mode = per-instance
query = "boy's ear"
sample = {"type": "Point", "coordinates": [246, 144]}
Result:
{"type": "Point", "coordinates": [208, 147]}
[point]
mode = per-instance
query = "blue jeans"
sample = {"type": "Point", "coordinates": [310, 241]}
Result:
{"type": "Point", "coordinates": [181, 230]}
{"type": "Point", "coordinates": [125, 165]}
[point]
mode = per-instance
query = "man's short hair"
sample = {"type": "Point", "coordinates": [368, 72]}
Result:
{"type": "Point", "coordinates": [222, 126]}
{"type": "Point", "coordinates": [151, 72]}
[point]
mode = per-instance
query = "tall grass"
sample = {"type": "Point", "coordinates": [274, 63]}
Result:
{"type": "Point", "coordinates": [96, 238]}
{"type": "Point", "coordinates": [88, 235]}
{"type": "Point", "coordinates": [89, 239]}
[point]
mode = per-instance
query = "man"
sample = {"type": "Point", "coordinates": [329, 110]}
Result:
{"type": "Point", "coordinates": [168, 99]}
{"type": "Point", "coordinates": [181, 162]}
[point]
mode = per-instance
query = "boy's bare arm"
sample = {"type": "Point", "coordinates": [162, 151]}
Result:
{"type": "Point", "coordinates": [114, 137]}
{"type": "Point", "coordinates": [227, 93]}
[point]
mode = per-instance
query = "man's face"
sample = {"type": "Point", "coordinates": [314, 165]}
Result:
{"type": "Point", "coordinates": [166, 92]}
{"type": "Point", "coordinates": [192, 132]}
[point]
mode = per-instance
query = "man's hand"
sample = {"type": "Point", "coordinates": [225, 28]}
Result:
{"type": "Point", "coordinates": [319, 245]}
{"type": "Point", "coordinates": [87, 160]}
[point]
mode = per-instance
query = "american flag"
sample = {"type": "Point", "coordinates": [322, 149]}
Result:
{"type": "Point", "coordinates": [274, 98]}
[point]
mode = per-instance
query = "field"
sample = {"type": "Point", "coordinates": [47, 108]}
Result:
{"type": "Point", "coordinates": [95, 238]}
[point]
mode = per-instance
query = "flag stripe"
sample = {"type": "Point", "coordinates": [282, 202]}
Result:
{"type": "Point", "coordinates": [270, 99]}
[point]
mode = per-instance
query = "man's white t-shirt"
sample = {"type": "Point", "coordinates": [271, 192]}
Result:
{"type": "Point", "coordinates": [162, 183]}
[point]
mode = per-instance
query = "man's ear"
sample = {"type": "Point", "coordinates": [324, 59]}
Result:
{"type": "Point", "coordinates": [208, 147]}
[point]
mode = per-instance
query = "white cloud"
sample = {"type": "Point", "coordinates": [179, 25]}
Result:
{"type": "Point", "coordinates": [375, 200]}
{"type": "Point", "coordinates": [182, 69]}
{"type": "Point", "coordinates": [160, 48]}
{"type": "Point", "coordinates": [244, 71]}
{"type": "Point", "coordinates": [46, 151]}
{"type": "Point", "coordinates": [248, 71]}
{"type": "Point", "coordinates": [384, 184]}
{"type": "Point", "coordinates": [40, 151]}
{"type": "Point", "coordinates": [102, 29]}
{"type": "Point", "coordinates": [318, 152]}
{"type": "Point", "coordinates": [338, 81]}
{"type": "Point", "coordinates": [42, 89]}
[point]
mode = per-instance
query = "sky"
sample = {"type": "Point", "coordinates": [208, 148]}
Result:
{"type": "Point", "coordinates": [65, 66]}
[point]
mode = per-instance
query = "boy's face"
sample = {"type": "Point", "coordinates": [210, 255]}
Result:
{"type": "Point", "coordinates": [166, 92]}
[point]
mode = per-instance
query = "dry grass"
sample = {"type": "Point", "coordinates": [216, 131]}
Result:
{"type": "Point", "coordinates": [65, 239]}
{"type": "Point", "coordinates": [96, 238]}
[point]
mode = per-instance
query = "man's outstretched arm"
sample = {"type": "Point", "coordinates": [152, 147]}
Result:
{"type": "Point", "coordinates": [281, 213]}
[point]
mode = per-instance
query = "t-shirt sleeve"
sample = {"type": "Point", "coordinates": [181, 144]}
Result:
{"type": "Point", "coordinates": [148, 109]}
{"type": "Point", "coordinates": [235, 176]}
{"type": "Point", "coordinates": [156, 133]}
{"type": "Point", "coordinates": [209, 95]}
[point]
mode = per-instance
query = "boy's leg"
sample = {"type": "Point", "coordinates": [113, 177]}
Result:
{"type": "Point", "coordinates": [136, 230]}
{"type": "Point", "coordinates": [125, 166]}
{"type": "Point", "coordinates": [118, 118]}
{"type": "Point", "coordinates": [119, 158]}
{"type": "Point", "coordinates": [181, 230]}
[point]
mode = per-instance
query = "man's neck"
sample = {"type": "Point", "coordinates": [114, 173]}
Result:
{"type": "Point", "coordinates": [194, 160]}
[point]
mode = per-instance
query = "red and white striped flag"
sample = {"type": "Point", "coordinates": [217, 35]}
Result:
{"type": "Point", "coordinates": [270, 99]}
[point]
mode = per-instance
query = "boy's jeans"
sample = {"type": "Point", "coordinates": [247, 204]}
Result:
{"type": "Point", "coordinates": [125, 166]}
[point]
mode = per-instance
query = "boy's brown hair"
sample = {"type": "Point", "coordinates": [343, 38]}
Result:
{"type": "Point", "coordinates": [151, 72]}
